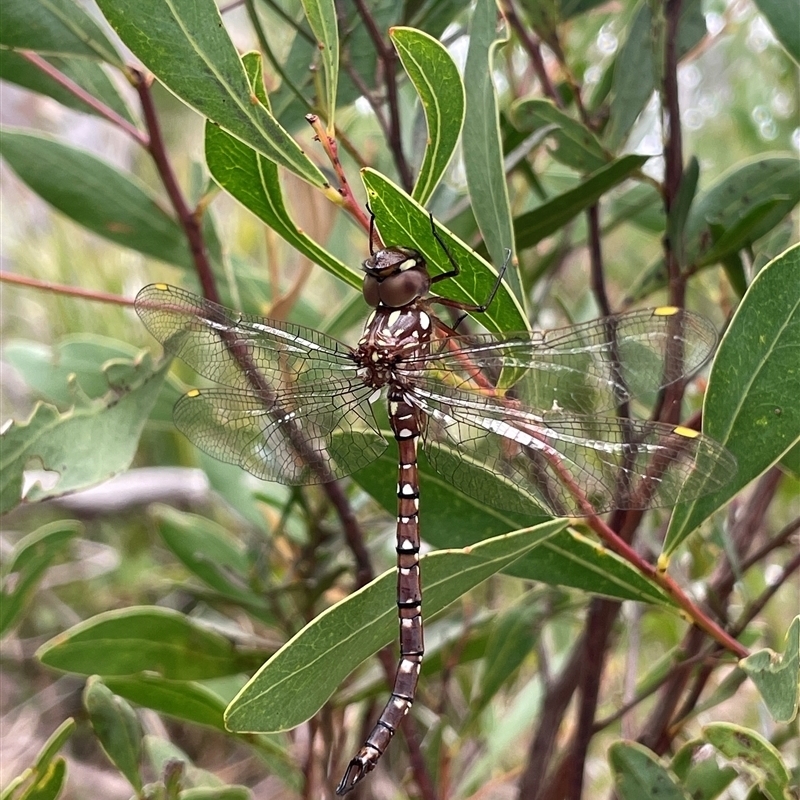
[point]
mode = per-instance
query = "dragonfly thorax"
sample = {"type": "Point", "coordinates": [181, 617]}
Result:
{"type": "Point", "coordinates": [395, 277]}
{"type": "Point", "coordinates": [393, 337]}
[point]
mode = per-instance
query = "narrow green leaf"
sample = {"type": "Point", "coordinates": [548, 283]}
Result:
{"type": "Point", "coordinates": [453, 519]}
{"type": "Point", "coordinates": [55, 27]}
{"type": "Point", "coordinates": [482, 144]}
{"type": "Point", "coordinates": [777, 675]}
{"type": "Point", "coordinates": [635, 69]}
{"type": "Point", "coordinates": [254, 181]}
{"type": "Point", "coordinates": [216, 793]}
{"type": "Point", "coordinates": [403, 221]}
{"type": "Point", "coordinates": [31, 558]}
{"type": "Point", "coordinates": [701, 777]}
{"type": "Point", "coordinates": [321, 16]}
{"type": "Point", "coordinates": [185, 44]}
{"type": "Point", "coordinates": [745, 187]}
{"type": "Point", "coordinates": [144, 638]}
{"type": "Point", "coordinates": [209, 552]}
{"type": "Point", "coordinates": [744, 745]}
{"type": "Point", "coordinates": [751, 403]}
{"type": "Point", "coordinates": [746, 229]}
{"type": "Point", "coordinates": [546, 219]}
{"type": "Point", "coordinates": [96, 195]}
{"type": "Point", "coordinates": [511, 640]}
{"type": "Point", "coordinates": [50, 784]}
{"type": "Point", "coordinates": [743, 205]}
{"type": "Point", "coordinates": [184, 700]}
{"type": "Point", "coordinates": [86, 445]}
{"type": "Point", "coordinates": [89, 75]}
{"type": "Point", "coordinates": [117, 727]}
{"type": "Point", "coordinates": [575, 145]}
{"type": "Point", "coordinates": [676, 221]}
{"type": "Point", "coordinates": [295, 683]}
{"type": "Point", "coordinates": [441, 92]}
{"type": "Point", "coordinates": [55, 741]}
{"type": "Point", "coordinates": [638, 773]}
{"type": "Point", "coordinates": [573, 8]}
{"type": "Point", "coordinates": [45, 779]}
{"type": "Point", "coordinates": [784, 19]}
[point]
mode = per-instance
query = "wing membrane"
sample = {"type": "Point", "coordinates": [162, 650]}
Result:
{"type": "Point", "coordinates": [584, 369]}
{"type": "Point", "coordinates": [298, 438]}
{"type": "Point", "coordinates": [570, 464]}
{"type": "Point", "coordinates": [237, 349]}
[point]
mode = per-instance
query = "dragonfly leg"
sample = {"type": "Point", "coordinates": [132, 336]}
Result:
{"type": "Point", "coordinates": [405, 424]}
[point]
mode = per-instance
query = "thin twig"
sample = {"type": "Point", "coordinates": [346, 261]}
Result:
{"type": "Point", "coordinates": [90, 100]}
{"type": "Point", "coordinates": [329, 145]}
{"type": "Point", "coordinates": [388, 57]}
{"type": "Point", "coordinates": [188, 219]}
{"type": "Point", "coordinates": [60, 288]}
{"type": "Point", "coordinates": [533, 49]}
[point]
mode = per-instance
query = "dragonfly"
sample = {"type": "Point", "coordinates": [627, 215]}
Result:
{"type": "Point", "coordinates": [532, 409]}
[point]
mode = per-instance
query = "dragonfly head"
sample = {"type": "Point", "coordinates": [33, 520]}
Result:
{"type": "Point", "coordinates": [395, 277]}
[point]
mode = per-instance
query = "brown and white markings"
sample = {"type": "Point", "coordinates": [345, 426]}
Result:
{"type": "Point", "coordinates": [296, 408]}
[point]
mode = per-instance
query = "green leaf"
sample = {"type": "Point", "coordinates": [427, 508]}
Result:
{"type": "Point", "coordinates": [209, 552]}
{"type": "Point", "coordinates": [402, 221]}
{"type": "Point", "coordinates": [50, 784]}
{"type": "Point", "coordinates": [295, 683]}
{"type": "Point", "coordinates": [676, 220]}
{"type": "Point", "coordinates": [87, 74]}
{"type": "Point", "coordinates": [453, 519]}
{"type": "Point", "coordinates": [751, 402]}
{"type": "Point", "coordinates": [575, 145]}
{"type": "Point", "coordinates": [90, 443]}
{"type": "Point", "coordinates": [746, 230]}
{"type": "Point", "coordinates": [184, 700]}
{"type": "Point", "coordinates": [546, 219]}
{"type": "Point", "coordinates": [117, 727]}
{"type": "Point", "coordinates": [216, 793]}
{"type": "Point", "coordinates": [784, 19]}
{"type": "Point", "coordinates": [441, 92]}
{"type": "Point", "coordinates": [56, 740]}
{"type": "Point", "coordinates": [482, 144]}
{"type": "Point", "coordinates": [144, 638]}
{"type": "Point", "coordinates": [750, 748]}
{"type": "Point", "coordinates": [32, 557]}
{"type": "Point", "coordinates": [635, 69]}
{"type": "Point", "coordinates": [55, 27]}
{"type": "Point", "coordinates": [321, 16]}
{"type": "Point", "coordinates": [701, 777]}
{"type": "Point", "coordinates": [96, 195]}
{"type": "Point", "coordinates": [254, 181]}
{"type": "Point", "coordinates": [746, 202]}
{"type": "Point", "coordinates": [511, 640]}
{"type": "Point", "coordinates": [45, 779]}
{"type": "Point", "coordinates": [638, 773]}
{"type": "Point", "coordinates": [185, 44]}
{"type": "Point", "coordinates": [777, 676]}
{"type": "Point", "coordinates": [81, 359]}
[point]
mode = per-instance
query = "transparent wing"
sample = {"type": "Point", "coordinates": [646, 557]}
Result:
{"type": "Point", "coordinates": [240, 350]}
{"type": "Point", "coordinates": [569, 464]}
{"type": "Point", "coordinates": [293, 438]}
{"type": "Point", "coordinates": [582, 369]}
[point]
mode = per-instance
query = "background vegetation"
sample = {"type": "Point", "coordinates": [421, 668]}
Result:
{"type": "Point", "coordinates": [629, 153]}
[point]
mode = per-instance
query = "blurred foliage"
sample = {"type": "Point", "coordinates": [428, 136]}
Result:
{"type": "Point", "coordinates": [152, 598]}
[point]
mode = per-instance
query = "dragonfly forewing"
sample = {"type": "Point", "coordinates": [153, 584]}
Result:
{"type": "Point", "coordinates": [234, 349]}
{"type": "Point", "coordinates": [583, 369]}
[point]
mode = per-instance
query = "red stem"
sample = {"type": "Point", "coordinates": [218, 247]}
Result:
{"type": "Point", "coordinates": [73, 88]}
